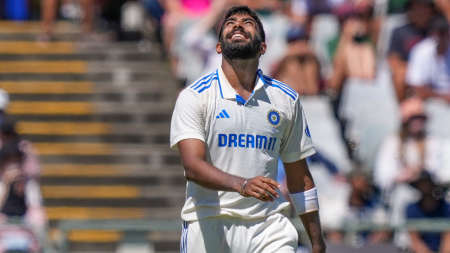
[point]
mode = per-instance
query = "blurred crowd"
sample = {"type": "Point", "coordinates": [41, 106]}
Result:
{"type": "Point", "coordinates": [374, 77]}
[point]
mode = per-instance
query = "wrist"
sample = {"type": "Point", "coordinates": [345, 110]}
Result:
{"type": "Point", "coordinates": [319, 246]}
{"type": "Point", "coordinates": [241, 191]}
{"type": "Point", "coordinates": [319, 249]}
{"type": "Point", "coordinates": [239, 182]}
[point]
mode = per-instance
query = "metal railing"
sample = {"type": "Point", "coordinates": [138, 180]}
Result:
{"type": "Point", "coordinates": [145, 226]}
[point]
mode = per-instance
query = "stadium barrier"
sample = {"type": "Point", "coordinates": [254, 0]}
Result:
{"type": "Point", "coordinates": [22, 234]}
{"type": "Point", "coordinates": [136, 227]}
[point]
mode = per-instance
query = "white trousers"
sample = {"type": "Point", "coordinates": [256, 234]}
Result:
{"type": "Point", "coordinates": [226, 234]}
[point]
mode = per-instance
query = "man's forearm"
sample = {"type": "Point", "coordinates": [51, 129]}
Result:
{"type": "Point", "coordinates": [311, 222]}
{"type": "Point", "coordinates": [425, 92]}
{"type": "Point", "coordinates": [210, 177]}
{"type": "Point", "coordinates": [299, 180]}
{"type": "Point", "coordinates": [199, 171]}
{"type": "Point", "coordinates": [417, 244]}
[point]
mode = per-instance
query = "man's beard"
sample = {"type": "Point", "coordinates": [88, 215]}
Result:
{"type": "Point", "coordinates": [241, 50]}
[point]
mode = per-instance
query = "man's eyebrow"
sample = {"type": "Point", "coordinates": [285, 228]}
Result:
{"type": "Point", "coordinates": [230, 19]}
{"type": "Point", "coordinates": [247, 19]}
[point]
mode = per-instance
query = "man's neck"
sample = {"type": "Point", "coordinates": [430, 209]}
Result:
{"type": "Point", "coordinates": [241, 74]}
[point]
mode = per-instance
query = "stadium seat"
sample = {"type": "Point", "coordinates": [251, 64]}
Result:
{"type": "Point", "coordinates": [371, 112]}
{"type": "Point", "coordinates": [389, 24]}
{"type": "Point", "coordinates": [325, 27]}
{"type": "Point", "coordinates": [325, 131]}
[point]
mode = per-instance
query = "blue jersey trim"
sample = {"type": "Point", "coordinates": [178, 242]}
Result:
{"type": "Point", "coordinates": [204, 82]}
{"type": "Point", "coordinates": [220, 86]}
{"type": "Point", "coordinates": [284, 85]}
{"type": "Point", "coordinates": [283, 88]}
{"type": "Point", "coordinates": [240, 99]}
{"type": "Point", "coordinates": [199, 82]}
{"type": "Point", "coordinates": [208, 85]}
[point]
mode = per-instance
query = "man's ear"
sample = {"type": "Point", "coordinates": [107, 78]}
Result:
{"type": "Point", "coordinates": [218, 48]}
{"type": "Point", "coordinates": [263, 48]}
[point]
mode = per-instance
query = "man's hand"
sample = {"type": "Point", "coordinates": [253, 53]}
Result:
{"type": "Point", "coordinates": [261, 188]}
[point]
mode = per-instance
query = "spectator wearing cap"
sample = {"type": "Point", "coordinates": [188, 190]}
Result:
{"type": "Point", "coordinates": [402, 157]}
{"type": "Point", "coordinates": [429, 66]}
{"type": "Point", "coordinates": [419, 14]}
{"type": "Point", "coordinates": [431, 205]}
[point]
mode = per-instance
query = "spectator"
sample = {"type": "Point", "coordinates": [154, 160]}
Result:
{"type": "Point", "coordinates": [430, 206]}
{"type": "Point", "coordinates": [179, 16]}
{"type": "Point", "coordinates": [48, 9]}
{"type": "Point", "coordinates": [300, 68]}
{"type": "Point", "coordinates": [18, 199]}
{"type": "Point", "coordinates": [402, 156]}
{"type": "Point", "coordinates": [419, 13]}
{"type": "Point", "coordinates": [400, 160]}
{"type": "Point", "coordinates": [429, 68]}
{"type": "Point", "coordinates": [30, 165]}
{"type": "Point", "coordinates": [301, 9]}
{"type": "Point", "coordinates": [29, 172]}
{"type": "Point", "coordinates": [364, 205]}
{"type": "Point", "coordinates": [353, 52]}
{"type": "Point", "coordinates": [202, 38]}
{"type": "Point", "coordinates": [156, 11]}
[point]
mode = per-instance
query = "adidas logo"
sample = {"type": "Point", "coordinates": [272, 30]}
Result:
{"type": "Point", "coordinates": [222, 115]}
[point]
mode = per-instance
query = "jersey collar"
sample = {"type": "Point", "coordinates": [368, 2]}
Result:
{"type": "Point", "coordinates": [227, 91]}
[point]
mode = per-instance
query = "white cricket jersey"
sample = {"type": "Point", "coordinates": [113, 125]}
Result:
{"type": "Point", "coordinates": [242, 138]}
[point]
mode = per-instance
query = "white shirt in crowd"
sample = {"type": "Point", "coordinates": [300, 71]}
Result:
{"type": "Point", "coordinates": [388, 164]}
{"type": "Point", "coordinates": [243, 138]}
{"type": "Point", "coordinates": [427, 68]}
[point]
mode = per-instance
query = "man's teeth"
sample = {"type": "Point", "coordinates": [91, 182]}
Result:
{"type": "Point", "coordinates": [237, 35]}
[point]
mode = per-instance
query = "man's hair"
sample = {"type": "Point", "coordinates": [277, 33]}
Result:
{"type": "Point", "coordinates": [9, 150]}
{"type": "Point", "coordinates": [410, 3]}
{"type": "Point", "coordinates": [8, 127]}
{"type": "Point", "coordinates": [244, 10]}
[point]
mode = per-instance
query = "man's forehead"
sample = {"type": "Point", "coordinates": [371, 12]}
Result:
{"type": "Point", "coordinates": [240, 16]}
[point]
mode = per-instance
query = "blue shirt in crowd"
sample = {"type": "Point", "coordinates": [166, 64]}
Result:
{"type": "Point", "coordinates": [432, 240]}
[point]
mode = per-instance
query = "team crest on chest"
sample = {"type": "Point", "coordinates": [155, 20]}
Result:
{"type": "Point", "coordinates": [274, 118]}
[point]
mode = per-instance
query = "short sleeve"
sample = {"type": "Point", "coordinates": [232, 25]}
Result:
{"type": "Point", "coordinates": [418, 73]}
{"type": "Point", "coordinates": [395, 45]}
{"type": "Point", "coordinates": [187, 119]}
{"type": "Point", "coordinates": [296, 144]}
